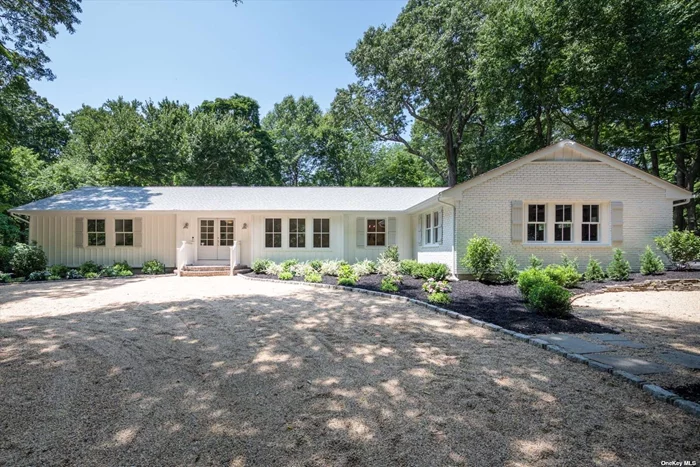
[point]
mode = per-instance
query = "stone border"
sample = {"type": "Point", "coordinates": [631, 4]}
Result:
{"type": "Point", "coordinates": [657, 392]}
{"type": "Point", "coordinates": [675, 285]}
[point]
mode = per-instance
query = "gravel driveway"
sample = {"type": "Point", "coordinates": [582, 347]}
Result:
{"type": "Point", "coordinates": [224, 371]}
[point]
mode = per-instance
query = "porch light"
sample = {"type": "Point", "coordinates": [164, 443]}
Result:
{"type": "Point", "coordinates": [186, 226]}
{"type": "Point", "coordinates": [245, 226]}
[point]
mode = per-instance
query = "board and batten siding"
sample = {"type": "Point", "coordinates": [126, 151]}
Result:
{"type": "Point", "coordinates": [355, 252]}
{"type": "Point", "coordinates": [55, 233]}
{"type": "Point", "coordinates": [437, 252]}
{"type": "Point", "coordinates": [188, 230]}
{"type": "Point", "coordinates": [486, 209]}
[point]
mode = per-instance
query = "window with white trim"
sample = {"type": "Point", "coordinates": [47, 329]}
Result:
{"type": "Point", "coordinates": [536, 222]}
{"type": "Point", "coordinates": [273, 233]}
{"type": "Point", "coordinates": [432, 227]}
{"type": "Point", "coordinates": [97, 235]}
{"type": "Point", "coordinates": [297, 233]}
{"type": "Point", "coordinates": [563, 222]}
{"type": "Point", "coordinates": [376, 232]}
{"type": "Point", "coordinates": [590, 223]}
{"type": "Point", "coordinates": [322, 233]}
{"type": "Point", "coordinates": [123, 232]}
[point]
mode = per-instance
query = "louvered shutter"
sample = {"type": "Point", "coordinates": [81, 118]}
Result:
{"type": "Point", "coordinates": [79, 232]}
{"type": "Point", "coordinates": [392, 231]}
{"type": "Point", "coordinates": [138, 232]}
{"type": "Point", "coordinates": [516, 221]}
{"type": "Point", "coordinates": [360, 232]}
{"type": "Point", "coordinates": [442, 223]}
{"type": "Point", "coordinates": [419, 237]}
{"type": "Point", "coordinates": [616, 221]}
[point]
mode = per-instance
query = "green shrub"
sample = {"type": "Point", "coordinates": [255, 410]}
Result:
{"type": "Point", "coordinates": [54, 278]}
{"type": "Point", "coordinates": [387, 266]}
{"type": "Point", "coordinates": [152, 266]}
{"type": "Point", "coordinates": [107, 271]}
{"type": "Point", "coordinates": [408, 266]}
{"type": "Point", "coordinates": [5, 258]}
{"type": "Point", "coordinates": [509, 271]}
{"type": "Point", "coordinates": [260, 265]}
{"type": "Point", "coordinates": [347, 281]}
{"type": "Point", "coordinates": [89, 267]}
{"type": "Point", "coordinates": [391, 253]}
{"type": "Point", "coordinates": [364, 268]}
{"type": "Point", "coordinates": [437, 271]}
{"type": "Point", "coordinates": [122, 269]}
{"type": "Point", "coordinates": [565, 276]}
{"type": "Point", "coordinates": [346, 276]}
{"type": "Point", "coordinates": [316, 265]}
{"type": "Point", "coordinates": [568, 262]}
{"type": "Point", "coordinates": [5, 277]}
{"type": "Point", "coordinates": [482, 258]}
{"type": "Point", "coordinates": [92, 275]}
{"type": "Point", "coordinates": [391, 283]}
{"type": "Point", "coordinates": [594, 271]}
{"type": "Point", "coordinates": [535, 262]}
{"type": "Point", "coordinates": [313, 277]}
{"type": "Point", "coordinates": [60, 270]}
{"type": "Point", "coordinates": [550, 299]}
{"type": "Point", "coordinates": [680, 246]}
{"type": "Point", "coordinates": [74, 274]}
{"type": "Point", "coordinates": [273, 269]}
{"type": "Point", "coordinates": [285, 275]}
{"type": "Point", "coordinates": [288, 264]}
{"type": "Point", "coordinates": [440, 298]}
{"type": "Point", "coordinates": [619, 268]}
{"type": "Point", "coordinates": [27, 259]}
{"type": "Point", "coordinates": [301, 269]}
{"type": "Point", "coordinates": [330, 267]}
{"type": "Point", "coordinates": [38, 275]}
{"type": "Point", "coordinates": [432, 286]}
{"type": "Point", "coordinates": [531, 278]}
{"type": "Point", "coordinates": [650, 263]}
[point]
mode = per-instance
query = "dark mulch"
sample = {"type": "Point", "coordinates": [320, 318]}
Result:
{"type": "Point", "coordinates": [585, 287]}
{"type": "Point", "coordinates": [690, 392]}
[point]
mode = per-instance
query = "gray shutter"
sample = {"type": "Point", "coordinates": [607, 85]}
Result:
{"type": "Point", "coordinates": [616, 221]}
{"type": "Point", "coordinates": [392, 231]}
{"type": "Point", "coordinates": [516, 221]}
{"type": "Point", "coordinates": [138, 232]}
{"type": "Point", "coordinates": [79, 232]}
{"type": "Point", "coordinates": [360, 232]}
{"type": "Point", "coordinates": [442, 223]}
{"type": "Point", "coordinates": [420, 230]}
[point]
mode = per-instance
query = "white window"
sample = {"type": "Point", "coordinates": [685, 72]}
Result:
{"type": "Point", "coordinates": [124, 232]}
{"type": "Point", "coordinates": [432, 227]}
{"type": "Point", "coordinates": [536, 222]}
{"type": "Point", "coordinates": [273, 233]}
{"type": "Point", "coordinates": [322, 233]}
{"type": "Point", "coordinates": [297, 233]}
{"type": "Point", "coordinates": [227, 232]}
{"type": "Point", "coordinates": [563, 222]}
{"type": "Point", "coordinates": [376, 232]}
{"type": "Point", "coordinates": [97, 235]}
{"type": "Point", "coordinates": [590, 223]}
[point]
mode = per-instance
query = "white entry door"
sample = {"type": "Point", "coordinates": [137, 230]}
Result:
{"type": "Point", "coordinates": [216, 237]}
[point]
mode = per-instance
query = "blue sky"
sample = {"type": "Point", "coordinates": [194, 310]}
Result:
{"type": "Point", "coordinates": [195, 50]}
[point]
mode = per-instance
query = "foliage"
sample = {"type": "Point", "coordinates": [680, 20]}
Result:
{"type": "Point", "coordinates": [5, 257]}
{"type": "Point", "coordinates": [650, 263]}
{"type": "Point", "coordinates": [38, 276]}
{"type": "Point", "coordinates": [273, 269]}
{"type": "Point", "coordinates": [261, 265]}
{"type": "Point", "coordinates": [568, 262]}
{"type": "Point", "coordinates": [594, 271]}
{"type": "Point", "coordinates": [509, 270]}
{"type": "Point", "coordinates": [390, 254]}
{"type": "Point", "coordinates": [9, 231]}
{"type": "Point", "coordinates": [531, 278]}
{"type": "Point", "coordinates": [74, 274]}
{"type": "Point", "coordinates": [565, 276]}
{"type": "Point", "coordinates": [5, 277]}
{"type": "Point", "coordinates": [152, 266]}
{"type": "Point", "coordinates": [346, 275]}
{"type": "Point", "coordinates": [483, 257]}
{"type": "Point", "coordinates": [619, 268]}
{"type": "Point", "coordinates": [364, 268]}
{"type": "Point", "coordinates": [288, 264]}
{"type": "Point", "coordinates": [92, 275]}
{"type": "Point", "coordinates": [54, 278]}
{"type": "Point", "coordinates": [391, 283]}
{"type": "Point", "coordinates": [550, 299]}
{"type": "Point", "coordinates": [440, 298]}
{"type": "Point", "coordinates": [437, 271]}
{"type": "Point", "coordinates": [348, 281]}
{"type": "Point", "coordinates": [316, 265]}
{"type": "Point", "coordinates": [88, 267]}
{"type": "Point", "coordinates": [680, 246]}
{"type": "Point", "coordinates": [285, 275]}
{"type": "Point", "coordinates": [27, 259]}
{"type": "Point", "coordinates": [331, 267]}
{"type": "Point", "coordinates": [386, 266]}
{"type": "Point", "coordinates": [301, 269]}
{"type": "Point", "coordinates": [535, 262]}
{"type": "Point", "coordinates": [408, 266]}
{"type": "Point", "coordinates": [432, 286]}
{"type": "Point", "coordinates": [313, 277]}
{"type": "Point", "coordinates": [60, 270]}
{"type": "Point", "coordinates": [119, 269]}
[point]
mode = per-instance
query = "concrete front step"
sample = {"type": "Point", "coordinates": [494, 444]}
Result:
{"type": "Point", "coordinates": [212, 270]}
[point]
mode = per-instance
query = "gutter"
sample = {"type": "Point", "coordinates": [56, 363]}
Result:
{"type": "Point", "coordinates": [454, 233]}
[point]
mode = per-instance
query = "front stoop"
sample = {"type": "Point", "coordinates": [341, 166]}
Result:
{"type": "Point", "coordinates": [212, 270]}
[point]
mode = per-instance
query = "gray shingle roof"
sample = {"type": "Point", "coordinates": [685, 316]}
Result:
{"type": "Point", "coordinates": [233, 199]}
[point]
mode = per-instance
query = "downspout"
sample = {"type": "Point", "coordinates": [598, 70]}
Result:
{"type": "Point", "coordinates": [454, 234]}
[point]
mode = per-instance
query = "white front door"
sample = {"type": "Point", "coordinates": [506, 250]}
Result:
{"type": "Point", "coordinates": [216, 237]}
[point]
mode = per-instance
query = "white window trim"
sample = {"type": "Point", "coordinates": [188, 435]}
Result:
{"type": "Point", "coordinates": [282, 234]}
{"type": "Point", "coordinates": [604, 226]}
{"type": "Point", "coordinates": [116, 232]}
{"type": "Point", "coordinates": [298, 234]}
{"type": "Point", "coordinates": [527, 223]}
{"type": "Point", "coordinates": [434, 229]}
{"type": "Point", "coordinates": [386, 232]}
{"type": "Point", "coordinates": [87, 232]}
{"type": "Point", "coordinates": [313, 232]}
{"type": "Point", "coordinates": [599, 224]}
{"type": "Point", "coordinates": [572, 222]}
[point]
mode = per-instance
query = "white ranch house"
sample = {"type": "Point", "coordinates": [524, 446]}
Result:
{"type": "Point", "coordinates": [564, 198]}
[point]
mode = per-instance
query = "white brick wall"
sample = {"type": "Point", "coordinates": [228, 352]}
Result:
{"type": "Point", "coordinates": [443, 253]}
{"type": "Point", "coordinates": [485, 209]}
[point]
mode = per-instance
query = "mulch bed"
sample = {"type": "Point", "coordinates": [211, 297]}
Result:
{"type": "Point", "coordinates": [690, 392]}
{"type": "Point", "coordinates": [502, 304]}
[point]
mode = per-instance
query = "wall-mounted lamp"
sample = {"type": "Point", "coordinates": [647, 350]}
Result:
{"type": "Point", "coordinates": [186, 226]}
{"type": "Point", "coordinates": [245, 226]}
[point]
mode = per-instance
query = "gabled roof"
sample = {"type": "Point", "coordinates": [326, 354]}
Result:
{"type": "Point", "coordinates": [232, 199]}
{"type": "Point", "coordinates": [672, 191]}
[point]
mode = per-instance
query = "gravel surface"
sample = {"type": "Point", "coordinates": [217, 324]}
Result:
{"type": "Point", "coordinates": [224, 371]}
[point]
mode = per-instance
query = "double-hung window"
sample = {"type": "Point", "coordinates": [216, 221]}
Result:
{"type": "Point", "coordinates": [297, 233]}
{"type": "Point", "coordinates": [563, 222]}
{"type": "Point", "coordinates": [124, 232]}
{"type": "Point", "coordinates": [322, 233]}
{"type": "Point", "coordinates": [376, 232]}
{"type": "Point", "coordinates": [590, 223]}
{"type": "Point", "coordinates": [536, 222]}
{"type": "Point", "coordinates": [97, 235]}
{"type": "Point", "coordinates": [273, 233]}
{"type": "Point", "coordinates": [432, 227]}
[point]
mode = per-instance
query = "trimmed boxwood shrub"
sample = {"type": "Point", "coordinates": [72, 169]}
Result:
{"type": "Point", "coordinates": [531, 278]}
{"type": "Point", "coordinates": [27, 259]}
{"type": "Point", "coordinates": [89, 267]}
{"type": "Point", "coordinates": [565, 276]}
{"type": "Point", "coordinates": [261, 265]}
{"type": "Point", "coordinates": [152, 266]}
{"type": "Point", "coordinates": [550, 299]}
{"type": "Point", "coordinates": [482, 258]}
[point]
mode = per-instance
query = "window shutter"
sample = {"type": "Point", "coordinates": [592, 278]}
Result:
{"type": "Point", "coordinates": [442, 223]}
{"type": "Point", "coordinates": [360, 232]}
{"type": "Point", "coordinates": [392, 231]}
{"type": "Point", "coordinates": [616, 221]}
{"type": "Point", "coordinates": [516, 221]}
{"type": "Point", "coordinates": [419, 237]}
{"type": "Point", "coordinates": [138, 232]}
{"type": "Point", "coordinates": [79, 232]}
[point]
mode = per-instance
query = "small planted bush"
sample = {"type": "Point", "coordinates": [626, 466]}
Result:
{"type": "Point", "coordinates": [391, 253]}
{"type": "Point", "coordinates": [54, 278]}
{"type": "Point", "coordinates": [331, 267]}
{"type": "Point", "coordinates": [38, 276]}
{"type": "Point", "coordinates": [285, 275]}
{"type": "Point", "coordinates": [301, 269]}
{"type": "Point", "coordinates": [438, 291]}
{"type": "Point", "coordinates": [346, 276]}
{"type": "Point", "coordinates": [680, 246]}
{"type": "Point", "coordinates": [27, 259]}
{"type": "Point", "coordinates": [74, 274]}
{"type": "Point", "coordinates": [482, 258]}
{"type": "Point", "coordinates": [364, 268]}
{"type": "Point", "coordinates": [92, 275]}
{"type": "Point", "coordinates": [440, 298]}
{"type": "Point", "coordinates": [565, 276]}
{"type": "Point", "coordinates": [122, 269]}
{"type": "Point", "coordinates": [650, 263]}
{"type": "Point", "coordinates": [531, 278]}
{"type": "Point", "coordinates": [261, 265]}
{"type": "Point", "coordinates": [89, 267]}
{"type": "Point", "coordinates": [550, 299]}
{"type": "Point", "coordinates": [509, 270]}
{"type": "Point", "coordinates": [273, 269]}
{"type": "Point", "coordinates": [408, 266]}
{"type": "Point", "coordinates": [619, 268]}
{"type": "Point", "coordinates": [60, 270]}
{"type": "Point", "coordinates": [535, 262]}
{"type": "Point", "coordinates": [5, 277]}
{"type": "Point", "coordinates": [594, 271]}
{"type": "Point", "coordinates": [391, 283]}
{"type": "Point", "coordinates": [313, 277]}
{"type": "Point", "coordinates": [288, 264]}
{"type": "Point", "coordinates": [316, 265]}
{"type": "Point", "coordinates": [387, 266]}
{"type": "Point", "coordinates": [437, 271]}
{"type": "Point", "coordinates": [5, 258]}
{"type": "Point", "coordinates": [152, 266]}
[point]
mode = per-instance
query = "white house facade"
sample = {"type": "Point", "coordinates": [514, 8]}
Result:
{"type": "Point", "coordinates": [565, 198]}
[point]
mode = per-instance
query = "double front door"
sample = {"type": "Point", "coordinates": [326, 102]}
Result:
{"type": "Point", "coordinates": [216, 238]}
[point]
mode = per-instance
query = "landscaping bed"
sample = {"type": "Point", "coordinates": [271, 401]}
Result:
{"type": "Point", "coordinates": [587, 287]}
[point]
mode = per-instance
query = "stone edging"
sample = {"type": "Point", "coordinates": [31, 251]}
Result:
{"type": "Point", "coordinates": [676, 285]}
{"type": "Point", "coordinates": [657, 392]}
